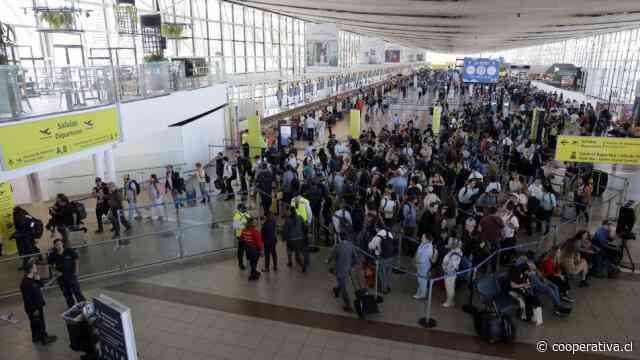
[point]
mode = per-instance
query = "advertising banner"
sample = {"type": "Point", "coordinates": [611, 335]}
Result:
{"type": "Point", "coordinates": [392, 56]}
{"type": "Point", "coordinates": [437, 112]}
{"type": "Point", "coordinates": [371, 51]}
{"type": "Point", "coordinates": [255, 136]}
{"type": "Point", "coordinates": [115, 330]}
{"type": "Point", "coordinates": [321, 44]}
{"type": "Point", "coordinates": [598, 150]}
{"type": "Point", "coordinates": [29, 143]}
{"type": "Point", "coordinates": [534, 125]}
{"type": "Point", "coordinates": [6, 219]}
{"type": "Point", "coordinates": [481, 71]}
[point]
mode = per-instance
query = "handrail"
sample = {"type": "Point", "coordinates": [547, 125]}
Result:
{"type": "Point", "coordinates": [117, 172]}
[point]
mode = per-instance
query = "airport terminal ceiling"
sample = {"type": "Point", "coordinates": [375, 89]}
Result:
{"type": "Point", "coordinates": [465, 26]}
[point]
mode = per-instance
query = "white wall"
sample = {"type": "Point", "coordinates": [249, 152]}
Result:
{"type": "Point", "coordinates": [566, 94]}
{"type": "Point", "coordinates": [148, 141]}
{"type": "Point", "coordinates": [199, 134]}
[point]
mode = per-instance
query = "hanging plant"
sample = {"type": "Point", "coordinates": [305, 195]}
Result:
{"type": "Point", "coordinates": [154, 58]}
{"type": "Point", "coordinates": [172, 31]}
{"type": "Point", "coordinates": [59, 19]}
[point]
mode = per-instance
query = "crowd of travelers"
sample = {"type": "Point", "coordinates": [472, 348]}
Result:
{"type": "Point", "coordinates": [447, 198]}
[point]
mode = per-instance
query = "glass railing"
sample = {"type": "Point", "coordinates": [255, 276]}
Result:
{"type": "Point", "coordinates": [190, 230]}
{"type": "Point", "coordinates": [28, 92]}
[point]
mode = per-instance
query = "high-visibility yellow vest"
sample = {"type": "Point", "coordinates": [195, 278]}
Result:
{"type": "Point", "coordinates": [300, 205]}
{"type": "Point", "coordinates": [239, 222]}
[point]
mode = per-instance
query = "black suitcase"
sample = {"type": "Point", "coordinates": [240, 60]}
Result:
{"type": "Point", "coordinates": [494, 328]}
{"type": "Point", "coordinates": [364, 303]}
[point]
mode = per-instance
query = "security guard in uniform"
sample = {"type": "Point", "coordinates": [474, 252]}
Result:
{"type": "Point", "coordinates": [67, 264]}
{"type": "Point", "coordinates": [30, 287]}
{"type": "Point", "coordinates": [240, 218]}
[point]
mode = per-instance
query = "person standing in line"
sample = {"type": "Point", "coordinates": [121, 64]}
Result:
{"type": "Point", "coordinates": [131, 191]}
{"type": "Point", "coordinates": [240, 219]}
{"type": "Point", "coordinates": [270, 240]}
{"type": "Point", "coordinates": [382, 245]}
{"type": "Point", "coordinates": [157, 201]}
{"type": "Point", "coordinates": [116, 215]}
{"type": "Point", "coordinates": [252, 240]}
{"type": "Point", "coordinates": [450, 265]}
{"type": "Point", "coordinates": [293, 235]}
{"type": "Point", "coordinates": [101, 193]}
{"type": "Point", "coordinates": [31, 289]}
{"type": "Point", "coordinates": [344, 257]}
{"type": "Point", "coordinates": [175, 184]}
{"type": "Point", "coordinates": [423, 259]}
{"type": "Point", "coordinates": [66, 262]}
{"type": "Point", "coordinates": [201, 177]}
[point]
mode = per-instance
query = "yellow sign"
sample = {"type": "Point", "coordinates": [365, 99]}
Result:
{"type": "Point", "coordinates": [534, 125]}
{"type": "Point", "coordinates": [254, 137]}
{"type": "Point", "coordinates": [437, 111]}
{"type": "Point", "coordinates": [29, 143]}
{"type": "Point", "coordinates": [6, 219]}
{"type": "Point", "coordinates": [598, 150]}
{"type": "Point", "coordinates": [354, 124]}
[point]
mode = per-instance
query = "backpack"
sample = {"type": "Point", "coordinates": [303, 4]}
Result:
{"type": "Point", "coordinates": [137, 186]}
{"type": "Point", "coordinates": [80, 210]}
{"type": "Point", "coordinates": [207, 179]}
{"type": "Point", "coordinates": [35, 226]}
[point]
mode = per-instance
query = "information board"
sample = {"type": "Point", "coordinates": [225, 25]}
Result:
{"type": "Point", "coordinates": [598, 150]}
{"type": "Point", "coordinates": [481, 71]}
{"type": "Point", "coordinates": [115, 330]}
{"type": "Point", "coordinates": [32, 142]}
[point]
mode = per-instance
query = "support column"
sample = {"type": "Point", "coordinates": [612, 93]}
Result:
{"type": "Point", "coordinates": [98, 165]}
{"type": "Point", "coordinates": [110, 164]}
{"type": "Point", "coordinates": [35, 188]}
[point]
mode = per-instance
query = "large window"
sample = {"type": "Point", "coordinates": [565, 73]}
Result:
{"type": "Point", "coordinates": [242, 39]}
{"type": "Point", "coordinates": [609, 61]}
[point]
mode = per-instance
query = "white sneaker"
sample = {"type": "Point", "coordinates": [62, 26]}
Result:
{"type": "Point", "coordinates": [416, 297]}
{"type": "Point", "coordinates": [447, 305]}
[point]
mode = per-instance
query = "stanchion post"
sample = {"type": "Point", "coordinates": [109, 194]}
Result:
{"type": "Point", "coordinates": [179, 233]}
{"type": "Point", "coordinates": [427, 321]}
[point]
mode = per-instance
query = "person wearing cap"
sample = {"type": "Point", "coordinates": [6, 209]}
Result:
{"type": "Point", "coordinates": [31, 290]}
{"type": "Point", "coordinates": [240, 219]}
{"type": "Point", "coordinates": [450, 265]}
{"type": "Point", "coordinates": [253, 245]}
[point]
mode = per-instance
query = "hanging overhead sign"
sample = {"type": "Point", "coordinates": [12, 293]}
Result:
{"type": "Point", "coordinates": [32, 142]}
{"type": "Point", "coordinates": [481, 71]}
{"type": "Point", "coordinates": [598, 150]}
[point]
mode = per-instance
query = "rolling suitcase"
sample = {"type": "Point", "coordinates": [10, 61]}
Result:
{"type": "Point", "coordinates": [364, 303]}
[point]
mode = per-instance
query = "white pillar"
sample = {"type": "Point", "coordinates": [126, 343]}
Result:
{"type": "Point", "coordinates": [98, 165]}
{"type": "Point", "coordinates": [35, 188]}
{"type": "Point", "coordinates": [110, 163]}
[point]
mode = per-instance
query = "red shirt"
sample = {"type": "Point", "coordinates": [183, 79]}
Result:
{"type": "Point", "coordinates": [252, 238]}
{"type": "Point", "coordinates": [550, 267]}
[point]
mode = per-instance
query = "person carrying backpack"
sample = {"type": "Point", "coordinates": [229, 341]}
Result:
{"type": "Point", "coordinates": [450, 265]}
{"type": "Point", "coordinates": [547, 204]}
{"type": "Point", "coordinates": [131, 192]}
{"type": "Point", "coordinates": [382, 246]}
{"type": "Point", "coordinates": [409, 223]}
{"type": "Point", "coordinates": [28, 230]}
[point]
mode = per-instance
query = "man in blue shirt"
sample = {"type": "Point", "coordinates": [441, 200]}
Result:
{"type": "Point", "coordinates": [602, 240]}
{"type": "Point", "coordinates": [399, 185]}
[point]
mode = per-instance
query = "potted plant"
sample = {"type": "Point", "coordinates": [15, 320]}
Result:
{"type": "Point", "coordinates": [59, 19]}
{"type": "Point", "coordinates": [154, 58]}
{"type": "Point", "coordinates": [172, 31]}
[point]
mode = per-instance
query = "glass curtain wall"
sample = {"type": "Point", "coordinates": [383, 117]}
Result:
{"type": "Point", "coordinates": [349, 45]}
{"type": "Point", "coordinates": [610, 61]}
{"type": "Point", "coordinates": [247, 40]}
